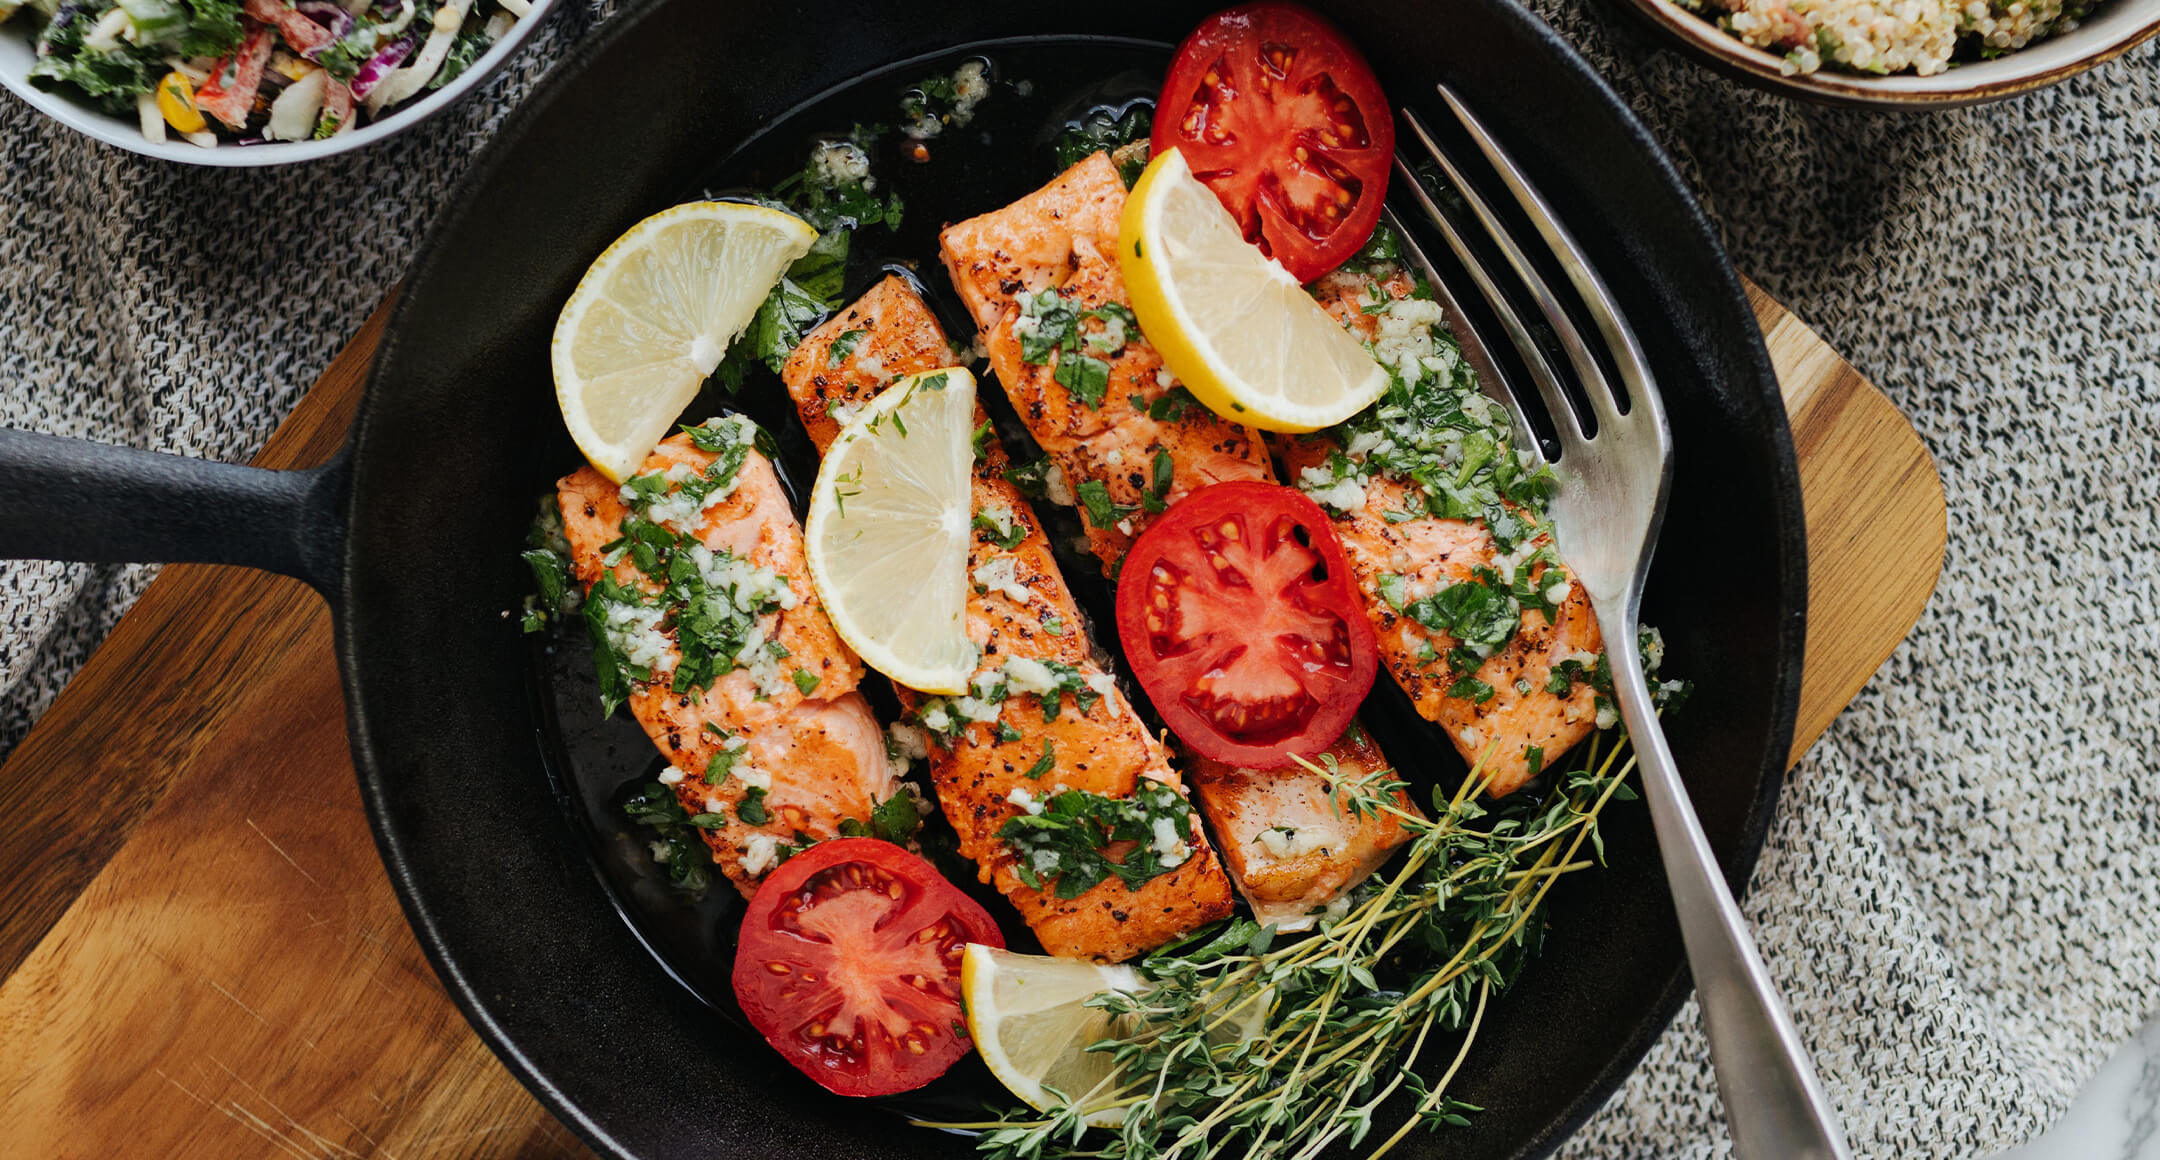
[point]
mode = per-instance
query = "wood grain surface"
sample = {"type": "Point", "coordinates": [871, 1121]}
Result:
{"type": "Point", "coordinates": [203, 957]}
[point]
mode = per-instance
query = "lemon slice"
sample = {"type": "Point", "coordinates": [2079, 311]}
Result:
{"type": "Point", "coordinates": [1234, 326]}
{"type": "Point", "coordinates": [654, 313]}
{"type": "Point", "coordinates": [887, 536]}
{"type": "Point", "coordinates": [1029, 1018]}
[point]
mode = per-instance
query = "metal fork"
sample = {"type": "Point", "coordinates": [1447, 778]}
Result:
{"type": "Point", "coordinates": [1606, 517]}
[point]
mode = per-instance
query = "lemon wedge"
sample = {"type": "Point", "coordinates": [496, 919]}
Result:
{"type": "Point", "coordinates": [1234, 326]}
{"type": "Point", "coordinates": [887, 537]}
{"type": "Point", "coordinates": [654, 313]}
{"type": "Point", "coordinates": [1029, 1018]}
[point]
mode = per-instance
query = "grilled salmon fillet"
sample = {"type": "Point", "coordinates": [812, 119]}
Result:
{"type": "Point", "coordinates": [804, 752]}
{"type": "Point", "coordinates": [987, 760]}
{"type": "Point", "coordinates": [1291, 845]}
{"type": "Point", "coordinates": [1521, 722]}
{"type": "Point", "coordinates": [1063, 239]}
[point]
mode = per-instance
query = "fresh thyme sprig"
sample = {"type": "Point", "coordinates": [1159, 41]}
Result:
{"type": "Point", "coordinates": [1251, 1046]}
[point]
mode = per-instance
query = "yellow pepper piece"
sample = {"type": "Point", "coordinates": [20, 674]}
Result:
{"type": "Point", "coordinates": [176, 99]}
{"type": "Point", "coordinates": [291, 66]}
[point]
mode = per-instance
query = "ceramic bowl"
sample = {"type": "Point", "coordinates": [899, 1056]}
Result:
{"type": "Point", "coordinates": [2115, 27]}
{"type": "Point", "coordinates": [18, 52]}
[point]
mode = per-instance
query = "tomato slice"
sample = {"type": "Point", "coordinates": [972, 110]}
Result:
{"type": "Point", "coordinates": [1281, 117]}
{"type": "Point", "coordinates": [1240, 618]}
{"type": "Point", "coordinates": [849, 965]}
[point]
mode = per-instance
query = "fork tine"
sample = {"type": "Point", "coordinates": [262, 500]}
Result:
{"type": "Point", "coordinates": [1586, 368]}
{"type": "Point", "coordinates": [1620, 341]}
{"type": "Point", "coordinates": [1475, 347]}
{"type": "Point", "coordinates": [1541, 372]}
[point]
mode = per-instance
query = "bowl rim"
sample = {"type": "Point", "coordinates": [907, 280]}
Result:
{"type": "Point", "coordinates": [2117, 27]}
{"type": "Point", "coordinates": [125, 133]}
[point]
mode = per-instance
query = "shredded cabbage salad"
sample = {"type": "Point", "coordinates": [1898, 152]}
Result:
{"type": "Point", "coordinates": [245, 72]}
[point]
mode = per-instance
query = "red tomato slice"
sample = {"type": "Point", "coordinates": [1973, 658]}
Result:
{"type": "Point", "coordinates": [1281, 117]}
{"type": "Point", "coordinates": [1240, 618]}
{"type": "Point", "coordinates": [849, 965]}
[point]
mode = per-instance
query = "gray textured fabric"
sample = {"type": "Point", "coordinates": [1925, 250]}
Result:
{"type": "Point", "coordinates": [1959, 894]}
{"type": "Point", "coordinates": [186, 309]}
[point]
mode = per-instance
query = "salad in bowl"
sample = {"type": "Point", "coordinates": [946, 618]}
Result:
{"type": "Point", "coordinates": [202, 80]}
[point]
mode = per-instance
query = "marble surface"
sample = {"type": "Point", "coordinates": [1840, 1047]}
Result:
{"type": "Point", "coordinates": [2117, 1112]}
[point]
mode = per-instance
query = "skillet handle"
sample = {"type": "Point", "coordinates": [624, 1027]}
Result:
{"type": "Point", "coordinates": [72, 499]}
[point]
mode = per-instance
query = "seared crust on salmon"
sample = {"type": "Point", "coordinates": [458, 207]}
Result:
{"type": "Point", "coordinates": [1521, 719]}
{"type": "Point", "coordinates": [986, 759]}
{"type": "Point", "coordinates": [1063, 238]}
{"type": "Point", "coordinates": [816, 753]}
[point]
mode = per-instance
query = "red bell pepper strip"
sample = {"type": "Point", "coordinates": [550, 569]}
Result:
{"type": "Point", "coordinates": [235, 79]}
{"type": "Point", "coordinates": [306, 37]}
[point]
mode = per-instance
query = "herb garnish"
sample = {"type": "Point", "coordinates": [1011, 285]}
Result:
{"type": "Point", "coordinates": [1051, 325]}
{"type": "Point", "coordinates": [1106, 131]}
{"type": "Point", "coordinates": [1004, 527]}
{"type": "Point", "coordinates": [1480, 613]}
{"type": "Point", "coordinates": [1064, 843]}
{"type": "Point", "coordinates": [894, 820]}
{"type": "Point", "coordinates": [689, 866]}
{"type": "Point", "coordinates": [1250, 1045]}
{"type": "Point", "coordinates": [751, 809]}
{"type": "Point", "coordinates": [837, 199]}
{"type": "Point", "coordinates": [843, 345]}
{"type": "Point", "coordinates": [1096, 499]}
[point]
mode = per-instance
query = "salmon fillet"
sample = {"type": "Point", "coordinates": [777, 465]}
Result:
{"type": "Point", "coordinates": [1511, 712]}
{"type": "Point", "coordinates": [803, 751]}
{"type": "Point", "coordinates": [1290, 845]}
{"type": "Point", "coordinates": [1063, 238]}
{"type": "Point", "coordinates": [987, 762]}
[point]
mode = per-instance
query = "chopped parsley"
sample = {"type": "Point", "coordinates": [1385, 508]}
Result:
{"type": "Point", "coordinates": [1107, 131]}
{"type": "Point", "coordinates": [1004, 528]}
{"type": "Point", "coordinates": [843, 345]}
{"type": "Point", "coordinates": [1051, 325]}
{"type": "Point", "coordinates": [893, 820]}
{"type": "Point", "coordinates": [1156, 499]}
{"type": "Point", "coordinates": [834, 191]}
{"type": "Point", "coordinates": [1063, 845]}
{"type": "Point", "coordinates": [706, 612]}
{"type": "Point", "coordinates": [806, 681]}
{"type": "Point", "coordinates": [1033, 479]}
{"type": "Point", "coordinates": [1102, 512]}
{"type": "Point", "coordinates": [751, 809]}
{"type": "Point", "coordinates": [655, 807]}
{"type": "Point", "coordinates": [1043, 764]}
{"type": "Point", "coordinates": [1172, 405]}
{"type": "Point", "coordinates": [724, 759]}
{"type": "Point", "coordinates": [1392, 588]}
{"type": "Point", "coordinates": [1472, 689]}
{"type": "Point", "coordinates": [1481, 613]}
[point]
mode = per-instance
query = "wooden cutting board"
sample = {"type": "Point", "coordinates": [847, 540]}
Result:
{"type": "Point", "coordinates": [203, 958]}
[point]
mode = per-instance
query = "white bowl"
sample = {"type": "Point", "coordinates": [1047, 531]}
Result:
{"type": "Point", "coordinates": [19, 51]}
{"type": "Point", "coordinates": [2113, 28]}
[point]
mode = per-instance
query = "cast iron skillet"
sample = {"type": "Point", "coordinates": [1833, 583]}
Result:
{"type": "Point", "coordinates": [410, 535]}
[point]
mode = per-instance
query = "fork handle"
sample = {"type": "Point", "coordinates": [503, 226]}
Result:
{"type": "Point", "coordinates": [1775, 1106]}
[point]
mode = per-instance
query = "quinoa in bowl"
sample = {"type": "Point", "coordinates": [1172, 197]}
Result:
{"type": "Point", "coordinates": [1902, 54]}
{"type": "Point", "coordinates": [1923, 37]}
